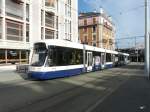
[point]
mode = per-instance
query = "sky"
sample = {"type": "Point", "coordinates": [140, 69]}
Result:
{"type": "Point", "coordinates": [128, 16]}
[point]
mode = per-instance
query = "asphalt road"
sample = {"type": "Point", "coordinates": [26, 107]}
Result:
{"type": "Point", "coordinates": [91, 92]}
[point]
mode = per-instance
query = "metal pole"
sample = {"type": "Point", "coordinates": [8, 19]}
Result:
{"type": "Point", "coordinates": [137, 55]}
{"type": "Point", "coordinates": [147, 40]}
{"type": "Point", "coordinates": [136, 51]}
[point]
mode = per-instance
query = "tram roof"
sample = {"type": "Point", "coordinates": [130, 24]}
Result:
{"type": "Point", "coordinates": [125, 54]}
{"type": "Point", "coordinates": [64, 43]}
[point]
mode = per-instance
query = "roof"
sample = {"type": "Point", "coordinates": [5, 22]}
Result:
{"type": "Point", "coordinates": [94, 14]}
{"type": "Point", "coordinates": [89, 14]}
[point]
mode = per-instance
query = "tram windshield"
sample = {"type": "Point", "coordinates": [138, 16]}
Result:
{"type": "Point", "coordinates": [39, 54]}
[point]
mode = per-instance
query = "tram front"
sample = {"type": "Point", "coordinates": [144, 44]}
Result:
{"type": "Point", "coordinates": [38, 60]}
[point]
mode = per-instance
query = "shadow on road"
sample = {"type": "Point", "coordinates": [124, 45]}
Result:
{"type": "Point", "coordinates": [79, 93]}
{"type": "Point", "coordinates": [134, 66]}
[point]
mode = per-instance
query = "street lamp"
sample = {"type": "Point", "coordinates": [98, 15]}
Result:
{"type": "Point", "coordinates": [147, 67]}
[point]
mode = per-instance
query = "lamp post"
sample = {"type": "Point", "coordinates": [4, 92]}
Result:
{"type": "Point", "coordinates": [147, 67]}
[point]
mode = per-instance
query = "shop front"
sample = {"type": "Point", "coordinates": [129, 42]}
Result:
{"type": "Point", "coordinates": [13, 56]}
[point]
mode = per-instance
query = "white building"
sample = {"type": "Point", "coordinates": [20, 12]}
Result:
{"type": "Point", "coordinates": [23, 22]}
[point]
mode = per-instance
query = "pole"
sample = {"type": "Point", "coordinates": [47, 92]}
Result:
{"type": "Point", "coordinates": [137, 55]}
{"type": "Point", "coordinates": [136, 51]}
{"type": "Point", "coordinates": [147, 40]}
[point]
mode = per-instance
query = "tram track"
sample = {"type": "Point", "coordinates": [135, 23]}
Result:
{"type": "Point", "coordinates": [18, 82]}
{"type": "Point", "coordinates": [55, 97]}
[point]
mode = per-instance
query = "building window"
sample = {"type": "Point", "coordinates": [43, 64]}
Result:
{"type": "Point", "coordinates": [104, 40]}
{"type": "Point", "coordinates": [27, 33]}
{"type": "Point", "coordinates": [56, 35]}
{"type": "Point", "coordinates": [69, 2]}
{"type": "Point", "coordinates": [42, 33]}
{"type": "Point", "coordinates": [94, 20]}
{"type": "Point", "coordinates": [85, 40]}
{"type": "Point", "coordinates": [85, 22]}
{"type": "Point", "coordinates": [94, 29]}
{"type": "Point", "coordinates": [14, 9]}
{"type": "Point", "coordinates": [49, 34]}
{"type": "Point", "coordinates": [12, 56]}
{"type": "Point", "coordinates": [49, 20]}
{"type": "Point", "coordinates": [70, 27]}
{"type": "Point", "coordinates": [68, 8]}
{"type": "Point", "coordinates": [66, 26]}
{"type": "Point", "coordinates": [27, 12]}
{"type": "Point", "coordinates": [111, 41]}
{"type": "Point", "coordinates": [14, 30]}
{"type": "Point", "coordinates": [2, 56]}
{"type": "Point", "coordinates": [0, 28]}
{"type": "Point", "coordinates": [94, 44]}
{"type": "Point", "coordinates": [68, 30]}
{"type": "Point", "coordinates": [94, 37]}
{"type": "Point", "coordinates": [42, 15]}
{"type": "Point", "coordinates": [24, 56]}
{"type": "Point", "coordinates": [85, 30]}
{"type": "Point", "coordinates": [57, 22]}
{"type": "Point", "coordinates": [50, 3]}
{"type": "Point", "coordinates": [0, 6]}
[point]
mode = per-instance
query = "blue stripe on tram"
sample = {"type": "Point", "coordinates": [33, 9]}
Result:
{"type": "Point", "coordinates": [109, 66]}
{"type": "Point", "coordinates": [97, 67]}
{"type": "Point", "coordinates": [55, 74]}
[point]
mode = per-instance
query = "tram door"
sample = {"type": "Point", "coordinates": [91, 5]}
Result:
{"type": "Point", "coordinates": [89, 61]}
{"type": "Point", "coordinates": [102, 60]}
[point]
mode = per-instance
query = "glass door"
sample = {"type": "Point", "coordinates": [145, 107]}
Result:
{"type": "Point", "coordinates": [89, 61]}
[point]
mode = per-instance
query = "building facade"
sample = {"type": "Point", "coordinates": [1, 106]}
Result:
{"type": "Point", "coordinates": [97, 29]}
{"type": "Point", "coordinates": [23, 22]}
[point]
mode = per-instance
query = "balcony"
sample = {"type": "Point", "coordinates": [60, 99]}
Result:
{"type": "Point", "coordinates": [88, 22]}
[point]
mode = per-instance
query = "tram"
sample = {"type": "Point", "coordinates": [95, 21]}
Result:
{"type": "Point", "coordinates": [60, 58]}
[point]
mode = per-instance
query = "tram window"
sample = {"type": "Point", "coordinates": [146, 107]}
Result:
{"type": "Point", "coordinates": [116, 58]}
{"type": "Point", "coordinates": [62, 56]}
{"type": "Point", "coordinates": [103, 58]}
{"type": "Point", "coordinates": [97, 54]}
{"type": "Point", "coordinates": [121, 58]}
{"type": "Point", "coordinates": [108, 57]}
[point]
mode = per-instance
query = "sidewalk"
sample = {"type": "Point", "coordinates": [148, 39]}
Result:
{"type": "Point", "coordinates": [132, 96]}
{"type": "Point", "coordinates": [8, 74]}
{"type": "Point", "coordinates": [7, 68]}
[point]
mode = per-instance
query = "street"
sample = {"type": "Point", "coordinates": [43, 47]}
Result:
{"type": "Point", "coordinates": [102, 91]}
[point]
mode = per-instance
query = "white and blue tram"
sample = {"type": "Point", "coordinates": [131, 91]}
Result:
{"type": "Point", "coordinates": [59, 58]}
